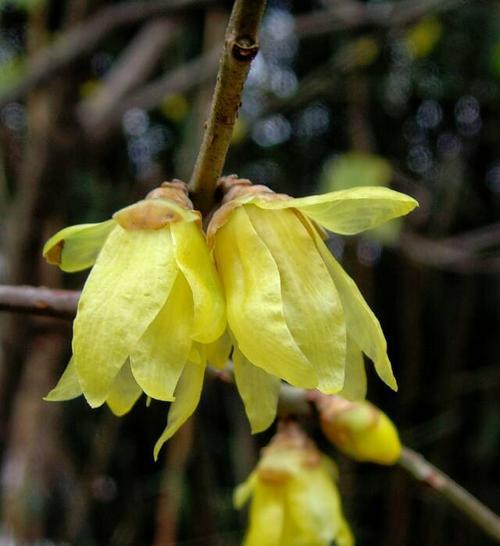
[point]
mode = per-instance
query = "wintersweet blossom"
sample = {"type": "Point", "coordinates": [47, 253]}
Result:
{"type": "Point", "coordinates": [151, 306]}
{"type": "Point", "coordinates": [294, 495]}
{"type": "Point", "coordinates": [293, 312]}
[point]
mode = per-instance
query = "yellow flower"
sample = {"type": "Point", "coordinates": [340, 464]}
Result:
{"type": "Point", "coordinates": [359, 429]}
{"type": "Point", "coordinates": [293, 312]}
{"type": "Point", "coordinates": [150, 304]}
{"type": "Point", "coordinates": [295, 500]}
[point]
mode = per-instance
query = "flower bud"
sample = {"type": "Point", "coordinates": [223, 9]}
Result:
{"type": "Point", "coordinates": [359, 429]}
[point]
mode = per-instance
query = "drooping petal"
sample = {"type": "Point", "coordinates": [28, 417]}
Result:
{"type": "Point", "coordinates": [187, 396]}
{"type": "Point", "coordinates": [258, 390]}
{"type": "Point", "coordinates": [244, 491]}
{"type": "Point", "coordinates": [159, 357]}
{"type": "Point", "coordinates": [194, 261]}
{"type": "Point", "coordinates": [344, 536]}
{"type": "Point", "coordinates": [76, 247]}
{"type": "Point", "coordinates": [124, 393]}
{"type": "Point", "coordinates": [124, 292]}
{"type": "Point", "coordinates": [355, 383]}
{"type": "Point", "coordinates": [254, 302]}
{"type": "Point", "coordinates": [217, 353]}
{"type": "Point", "coordinates": [311, 500]}
{"type": "Point", "coordinates": [267, 516]}
{"type": "Point", "coordinates": [68, 386]}
{"type": "Point", "coordinates": [311, 304]}
{"type": "Point", "coordinates": [362, 325]}
{"type": "Point", "coordinates": [348, 211]}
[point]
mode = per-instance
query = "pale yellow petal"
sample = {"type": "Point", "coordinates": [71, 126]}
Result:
{"type": "Point", "coordinates": [254, 303]}
{"type": "Point", "coordinates": [76, 247]}
{"type": "Point", "coordinates": [187, 396]}
{"type": "Point", "coordinates": [244, 491]}
{"type": "Point", "coordinates": [362, 325]}
{"type": "Point", "coordinates": [267, 516]}
{"type": "Point", "coordinates": [355, 383]}
{"type": "Point", "coordinates": [124, 393]}
{"type": "Point", "coordinates": [348, 211]}
{"type": "Point", "coordinates": [217, 353]}
{"type": "Point", "coordinates": [311, 304]}
{"type": "Point", "coordinates": [159, 357]}
{"type": "Point", "coordinates": [68, 386]}
{"type": "Point", "coordinates": [344, 536]}
{"type": "Point", "coordinates": [258, 390]}
{"type": "Point", "coordinates": [312, 498]}
{"type": "Point", "coordinates": [124, 292]}
{"type": "Point", "coordinates": [193, 259]}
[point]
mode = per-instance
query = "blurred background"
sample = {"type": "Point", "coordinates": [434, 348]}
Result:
{"type": "Point", "coordinates": [101, 100]}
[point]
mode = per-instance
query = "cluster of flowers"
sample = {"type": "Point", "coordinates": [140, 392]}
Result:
{"type": "Point", "coordinates": [163, 300]}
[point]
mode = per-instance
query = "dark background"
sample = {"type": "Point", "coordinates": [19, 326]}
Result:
{"type": "Point", "coordinates": [343, 93]}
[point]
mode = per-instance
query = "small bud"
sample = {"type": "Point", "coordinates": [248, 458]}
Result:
{"type": "Point", "coordinates": [358, 429]}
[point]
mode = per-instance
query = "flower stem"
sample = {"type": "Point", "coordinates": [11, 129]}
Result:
{"type": "Point", "coordinates": [241, 47]}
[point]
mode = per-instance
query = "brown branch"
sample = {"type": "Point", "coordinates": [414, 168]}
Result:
{"type": "Point", "coordinates": [180, 80]}
{"type": "Point", "coordinates": [63, 303]}
{"type": "Point", "coordinates": [86, 36]}
{"type": "Point", "coordinates": [423, 471]}
{"type": "Point", "coordinates": [130, 70]}
{"type": "Point", "coordinates": [39, 301]}
{"type": "Point", "coordinates": [240, 49]}
{"type": "Point", "coordinates": [353, 14]}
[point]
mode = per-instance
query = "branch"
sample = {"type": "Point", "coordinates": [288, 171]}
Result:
{"type": "Point", "coordinates": [180, 80]}
{"type": "Point", "coordinates": [423, 471]}
{"type": "Point", "coordinates": [240, 49]}
{"type": "Point", "coordinates": [39, 301]}
{"type": "Point", "coordinates": [63, 303]}
{"type": "Point", "coordinates": [131, 69]}
{"type": "Point", "coordinates": [86, 36]}
{"type": "Point", "coordinates": [353, 14]}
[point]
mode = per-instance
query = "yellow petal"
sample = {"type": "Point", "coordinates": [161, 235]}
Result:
{"type": "Point", "coordinates": [254, 303]}
{"type": "Point", "coordinates": [68, 386]}
{"type": "Point", "coordinates": [258, 390]}
{"type": "Point", "coordinates": [362, 325]}
{"type": "Point", "coordinates": [77, 247]}
{"type": "Point", "coordinates": [187, 396]}
{"type": "Point", "coordinates": [194, 261]}
{"type": "Point", "coordinates": [217, 353]}
{"type": "Point", "coordinates": [344, 536]}
{"type": "Point", "coordinates": [348, 211]}
{"type": "Point", "coordinates": [311, 304]}
{"type": "Point", "coordinates": [355, 383]}
{"type": "Point", "coordinates": [267, 516]}
{"type": "Point", "coordinates": [311, 501]}
{"type": "Point", "coordinates": [244, 491]}
{"type": "Point", "coordinates": [124, 292]}
{"type": "Point", "coordinates": [124, 393]}
{"type": "Point", "coordinates": [159, 357]}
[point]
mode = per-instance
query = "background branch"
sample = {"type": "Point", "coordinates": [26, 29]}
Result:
{"type": "Point", "coordinates": [86, 36]}
{"type": "Point", "coordinates": [132, 68]}
{"type": "Point", "coordinates": [62, 303]}
{"type": "Point", "coordinates": [180, 80]}
{"type": "Point", "coordinates": [39, 301]}
{"type": "Point", "coordinates": [423, 471]}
